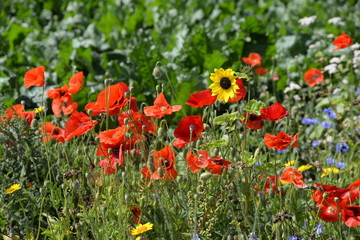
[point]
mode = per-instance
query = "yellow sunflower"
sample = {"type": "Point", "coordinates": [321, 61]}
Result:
{"type": "Point", "coordinates": [13, 188]}
{"type": "Point", "coordinates": [224, 85]}
{"type": "Point", "coordinates": [141, 228]}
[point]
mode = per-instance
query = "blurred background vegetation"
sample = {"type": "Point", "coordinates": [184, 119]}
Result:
{"type": "Point", "coordinates": [123, 40]}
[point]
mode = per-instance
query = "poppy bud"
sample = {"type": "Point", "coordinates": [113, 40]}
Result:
{"type": "Point", "coordinates": [179, 178]}
{"type": "Point", "coordinates": [123, 175]}
{"type": "Point", "coordinates": [205, 176]}
{"type": "Point", "coordinates": [108, 82]}
{"type": "Point", "coordinates": [160, 132]}
{"type": "Point", "coordinates": [325, 195]}
{"type": "Point", "coordinates": [156, 72]}
{"type": "Point", "coordinates": [206, 127]}
{"type": "Point", "coordinates": [34, 123]}
{"type": "Point", "coordinates": [336, 199]}
{"type": "Point", "coordinates": [110, 151]}
{"type": "Point", "coordinates": [151, 167]}
{"type": "Point", "coordinates": [126, 121]}
{"type": "Point", "coordinates": [89, 112]}
{"type": "Point", "coordinates": [256, 154]}
{"type": "Point", "coordinates": [46, 184]}
{"type": "Point", "coordinates": [198, 143]}
{"type": "Point", "coordinates": [160, 172]}
{"type": "Point", "coordinates": [199, 189]}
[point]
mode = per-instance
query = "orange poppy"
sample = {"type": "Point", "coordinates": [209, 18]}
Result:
{"type": "Point", "coordinates": [35, 77]}
{"type": "Point", "coordinates": [161, 108]}
{"type": "Point", "coordinates": [254, 59]}
{"type": "Point", "coordinates": [313, 77]}
{"type": "Point", "coordinates": [62, 97]}
{"type": "Point", "coordinates": [164, 160]}
{"type": "Point", "coordinates": [217, 165]}
{"type": "Point", "coordinates": [261, 71]}
{"type": "Point", "coordinates": [78, 124]}
{"type": "Point", "coordinates": [197, 161]}
{"type": "Point", "coordinates": [18, 110]}
{"type": "Point", "coordinates": [281, 141]}
{"type": "Point", "coordinates": [342, 41]}
{"type": "Point", "coordinates": [292, 175]}
{"type": "Point", "coordinates": [184, 134]}
{"type": "Point", "coordinates": [51, 131]}
{"type": "Point", "coordinates": [116, 100]}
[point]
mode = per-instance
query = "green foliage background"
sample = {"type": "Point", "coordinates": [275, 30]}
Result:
{"type": "Point", "coordinates": [123, 40]}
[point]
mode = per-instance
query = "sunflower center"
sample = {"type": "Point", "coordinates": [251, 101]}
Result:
{"type": "Point", "coordinates": [225, 83]}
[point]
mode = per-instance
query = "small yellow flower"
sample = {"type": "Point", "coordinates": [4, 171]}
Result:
{"type": "Point", "coordinates": [39, 109]}
{"type": "Point", "coordinates": [224, 85]}
{"type": "Point", "coordinates": [327, 171]}
{"type": "Point", "coordinates": [304, 168]}
{"type": "Point", "coordinates": [13, 188]}
{"type": "Point", "coordinates": [141, 228]}
{"type": "Point", "coordinates": [290, 163]}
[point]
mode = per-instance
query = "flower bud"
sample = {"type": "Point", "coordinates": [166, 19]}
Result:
{"type": "Point", "coordinates": [89, 112]}
{"type": "Point", "coordinates": [34, 123]}
{"type": "Point", "coordinates": [160, 132]}
{"type": "Point", "coordinates": [160, 172]}
{"type": "Point", "coordinates": [156, 72]}
{"type": "Point", "coordinates": [205, 176]}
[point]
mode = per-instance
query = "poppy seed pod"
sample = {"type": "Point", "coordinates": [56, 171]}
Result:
{"type": "Point", "coordinates": [205, 176]}
{"type": "Point", "coordinates": [156, 72]}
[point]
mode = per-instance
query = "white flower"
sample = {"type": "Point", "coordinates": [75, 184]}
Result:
{"type": "Point", "coordinates": [335, 60]}
{"type": "Point", "coordinates": [331, 68]}
{"type": "Point", "coordinates": [306, 21]}
{"type": "Point", "coordinates": [330, 36]}
{"type": "Point", "coordinates": [336, 91]}
{"type": "Point", "coordinates": [336, 21]}
{"type": "Point", "coordinates": [297, 98]}
{"type": "Point", "coordinates": [314, 45]}
{"type": "Point", "coordinates": [329, 139]}
{"type": "Point", "coordinates": [354, 46]}
{"type": "Point", "coordinates": [292, 86]}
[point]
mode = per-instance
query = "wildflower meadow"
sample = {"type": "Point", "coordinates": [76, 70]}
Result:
{"type": "Point", "coordinates": [157, 120]}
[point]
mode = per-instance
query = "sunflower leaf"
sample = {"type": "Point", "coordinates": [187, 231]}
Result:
{"type": "Point", "coordinates": [227, 118]}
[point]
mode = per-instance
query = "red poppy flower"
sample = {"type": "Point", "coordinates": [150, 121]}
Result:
{"type": "Point", "coordinates": [261, 71]}
{"type": "Point", "coordinates": [254, 59]}
{"type": "Point", "coordinates": [201, 99]}
{"type": "Point", "coordinates": [116, 100]}
{"type": "Point", "coordinates": [342, 41]}
{"type": "Point", "coordinates": [113, 143]}
{"type": "Point", "coordinates": [281, 141]}
{"type": "Point", "coordinates": [313, 77]}
{"type": "Point", "coordinates": [183, 133]}
{"type": "Point", "coordinates": [35, 77]}
{"type": "Point", "coordinates": [51, 131]}
{"type": "Point", "coordinates": [164, 160]}
{"type": "Point", "coordinates": [329, 211]}
{"type": "Point", "coordinates": [272, 182]}
{"type": "Point", "coordinates": [197, 161]}
{"type": "Point", "coordinates": [292, 175]}
{"type": "Point", "coordinates": [136, 211]}
{"type": "Point", "coordinates": [18, 110]}
{"type": "Point", "coordinates": [274, 113]}
{"type": "Point", "coordinates": [240, 93]}
{"type": "Point", "coordinates": [62, 97]}
{"type": "Point", "coordinates": [254, 121]}
{"type": "Point", "coordinates": [137, 122]}
{"type": "Point", "coordinates": [161, 108]}
{"type": "Point", "coordinates": [350, 215]}
{"type": "Point", "coordinates": [78, 124]}
{"type": "Point", "coordinates": [216, 165]}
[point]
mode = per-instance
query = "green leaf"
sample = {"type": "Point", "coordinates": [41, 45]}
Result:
{"type": "Point", "coordinates": [214, 60]}
{"type": "Point", "coordinates": [243, 76]}
{"type": "Point", "coordinates": [227, 118]}
{"type": "Point", "coordinates": [247, 158]}
{"type": "Point", "coordinates": [214, 144]}
{"type": "Point", "coordinates": [254, 107]}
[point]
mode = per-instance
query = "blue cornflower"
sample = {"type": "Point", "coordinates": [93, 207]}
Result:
{"type": "Point", "coordinates": [341, 165]}
{"type": "Point", "coordinates": [315, 143]}
{"type": "Point", "coordinates": [329, 113]}
{"type": "Point", "coordinates": [326, 124]}
{"type": "Point", "coordinates": [319, 229]}
{"type": "Point", "coordinates": [295, 238]}
{"type": "Point", "coordinates": [342, 147]}
{"type": "Point", "coordinates": [281, 151]}
{"type": "Point", "coordinates": [330, 161]}
{"type": "Point", "coordinates": [257, 163]}
{"type": "Point", "coordinates": [195, 237]}
{"type": "Point", "coordinates": [358, 89]}
{"type": "Point", "coordinates": [309, 121]}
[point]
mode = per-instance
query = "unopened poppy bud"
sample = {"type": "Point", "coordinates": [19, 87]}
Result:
{"type": "Point", "coordinates": [22, 102]}
{"type": "Point", "coordinates": [199, 189]}
{"type": "Point", "coordinates": [205, 176]}
{"type": "Point", "coordinates": [160, 172]}
{"type": "Point", "coordinates": [325, 195]}
{"type": "Point", "coordinates": [46, 184]}
{"type": "Point", "coordinates": [151, 167]}
{"type": "Point", "coordinates": [89, 112]}
{"type": "Point", "coordinates": [160, 132]}
{"type": "Point", "coordinates": [198, 144]}
{"type": "Point", "coordinates": [256, 154]}
{"type": "Point", "coordinates": [110, 150]}
{"type": "Point", "coordinates": [156, 72]}
{"type": "Point", "coordinates": [97, 140]}
{"type": "Point", "coordinates": [179, 178]}
{"type": "Point", "coordinates": [123, 174]}
{"type": "Point", "coordinates": [126, 121]}
{"type": "Point", "coordinates": [336, 199]}
{"type": "Point", "coordinates": [34, 123]}
{"type": "Point", "coordinates": [108, 81]}
{"type": "Point", "coordinates": [158, 88]}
